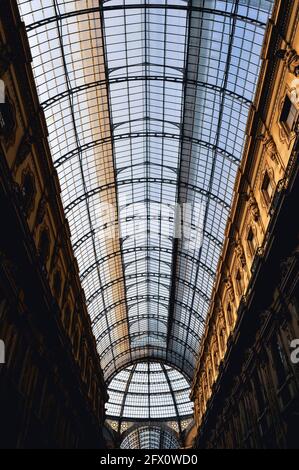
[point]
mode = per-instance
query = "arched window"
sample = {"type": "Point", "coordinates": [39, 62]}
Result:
{"type": "Point", "coordinates": [44, 245]}
{"type": "Point", "coordinates": [267, 187]}
{"type": "Point", "coordinates": [28, 192]}
{"type": "Point", "coordinates": [289, 115]}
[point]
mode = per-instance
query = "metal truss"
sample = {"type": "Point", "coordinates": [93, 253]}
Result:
{"type": "Point", "coordinates": [100, 189]}
{"type": "Point", "coordinates": [185, 255]}
{"type": "Point", "coordinates": [113, 80]}
{"type": "Point", "coordinates": [87, 11]}
{"type": "Point", "coordinates": [88, 235]}
{"type": "Point", "coordinates": [136, 135]}
{"type": "Point", "coordinates": [177, 358]}
{"type": "Point", "coordinates": [149, 101]}
{"type": "Point", "coordinates": [146, 276]}
{"type": "Point", "coordinates": [139, 299]}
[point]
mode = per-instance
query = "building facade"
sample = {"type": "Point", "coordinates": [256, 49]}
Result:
{"type": "Point", "coordinates": [246, 384]}
{"type": "Point", "coordinates": [52, 391]}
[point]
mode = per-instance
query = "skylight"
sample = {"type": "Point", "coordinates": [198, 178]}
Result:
{"type": "Point", "coordinates": [146, 104]}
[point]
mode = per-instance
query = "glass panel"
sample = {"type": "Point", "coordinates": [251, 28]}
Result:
{"type": "Point", "coordinates": [149, 391]}
{"type": "Point", "coordinates": [146, 104]}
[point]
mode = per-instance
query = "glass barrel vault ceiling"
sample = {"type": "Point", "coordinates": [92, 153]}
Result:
{"type": "Point", "coordinates": [149, 391]}
{"type": "Point", "coordinates": [146, 102]}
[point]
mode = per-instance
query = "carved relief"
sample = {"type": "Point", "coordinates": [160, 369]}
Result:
{"type": "Point", "coordinates": [240, 251]}
{"type": "Point", "coordinates": [254, 208]}
{"type": "Point", "coordinates": [239, 280]}
{"type": "Point", "coordinates": [222, 341]}
{"type": "Point", "coordinates": [270, 146]}
{"type": "Point", "coordinates": [218, 310]}
{"type": "Point", "coordinates": [229, 288]}
{"type": "Point", "coordinates": [216, 359]}
{"type": "Point", "coordinates": [290, 58]}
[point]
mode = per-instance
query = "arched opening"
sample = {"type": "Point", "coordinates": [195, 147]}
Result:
{"type": "Point", "coordinates": [149, 393]}
{"type": "Point", "coordinates": [150, 437]}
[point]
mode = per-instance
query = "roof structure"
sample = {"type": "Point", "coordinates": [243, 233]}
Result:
{"type": "Point", "coordinates": [146, 104]}
{"type": "Point", "coordinates": [149, 392]}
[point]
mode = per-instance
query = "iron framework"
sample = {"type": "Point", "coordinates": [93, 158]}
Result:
{"type": "Point", "coordinates": [146, 103]}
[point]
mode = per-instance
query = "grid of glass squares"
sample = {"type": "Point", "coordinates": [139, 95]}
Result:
{"type": "Point", "coordinates": [149, 391]}
{"type": "Point", "coordinates": [146, 104]}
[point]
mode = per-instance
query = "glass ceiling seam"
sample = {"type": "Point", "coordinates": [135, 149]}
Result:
{"type": "Point", "coordinates": [112, 80]}
{"type": "Point", "coordinates": [153, 360]}
{"type": "Point", "coordinates": [173, 282]}
{"type": "Point", "coordinates": [173, 398]}
{"type": "Point", "coordinates": [141, 317]}
{"type": "Point", "coordinates": [40, 23]}
{"type": "Point", "coordinates": [136, 135]}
